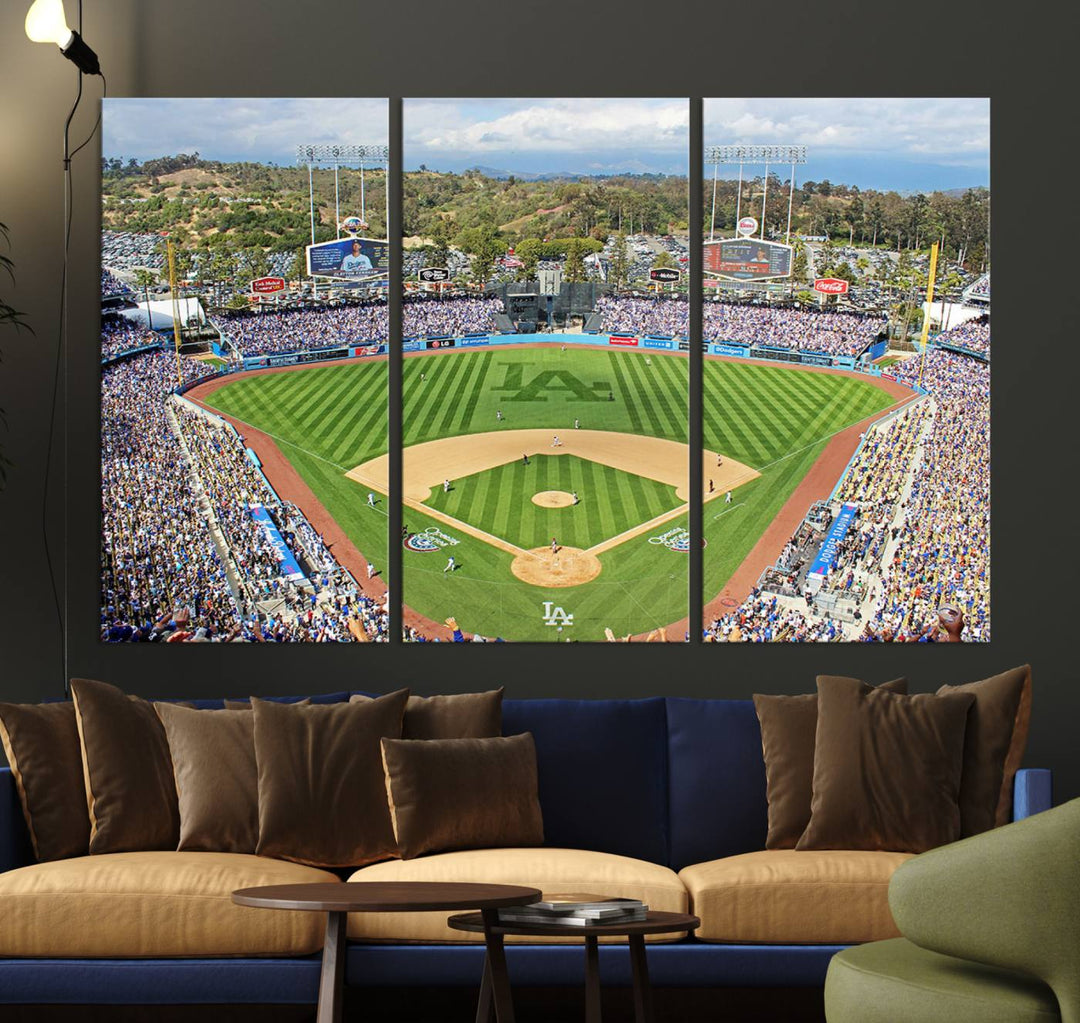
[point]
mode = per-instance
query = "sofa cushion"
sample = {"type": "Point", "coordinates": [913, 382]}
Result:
{"type": "Point", "coordinates": [448, 794]}
{"type": "Point", "coordinates": [717, 780]}
{"type": "Point", "coordinates": [550, 870]}
{"type": "Point", "coordinates": [602, 771]}
{"type": "Point", "coordinates": [780, 896]}
{"type": "Point", "coordinates": [152, 904]}
{"type": "Point", "coordinates": [42, 746]}
{"type": "Point", "coordinates": [896, 980]}
{"type": "Point", "coordinates": [456, 716]}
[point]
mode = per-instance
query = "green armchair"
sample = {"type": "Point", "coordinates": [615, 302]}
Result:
{"type": "Point", "coordinates": [991, 931]}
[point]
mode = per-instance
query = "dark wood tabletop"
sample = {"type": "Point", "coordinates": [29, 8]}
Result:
{"type": "Point", "coordinates": [655, 922]}
{"type": "Point", "coordinates": [385, 896]}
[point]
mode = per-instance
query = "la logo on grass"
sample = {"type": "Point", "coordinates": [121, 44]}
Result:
{"type": "Point", "coordinates": [554, 615]}
{"type": "Point", "coordinates": [556, 381]}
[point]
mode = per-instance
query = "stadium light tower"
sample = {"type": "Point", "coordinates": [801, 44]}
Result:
{"type": "Point", "coordinates": [747, 154]}
{"type": "Point", "coordinates": [337, 156]}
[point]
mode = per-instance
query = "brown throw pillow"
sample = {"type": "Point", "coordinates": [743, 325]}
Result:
{"type": "Point", "coordinates": [994, 746]}
{"type": "Point", "coordinates": [322, 796]}
{"type": "Point", "coordinates": [886, 769]}
{"type": "Point", "coordinates": [246, 704]}
{"type": "Point", "coordinates": [463, 793]}
{"type": "Point", "coordinates": [217, 781]}
{"type": "Point", "coordinates": [457, 716]}
{"type": "Point", "coordinates": [42, 746]}
{"type": "Point", "coordinates": [127, 770]}
{"type": "Point", "coordinates": [788, 725]}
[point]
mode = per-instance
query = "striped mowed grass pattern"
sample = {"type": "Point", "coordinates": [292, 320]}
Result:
{"type": "Point", "coordinates": [325, 420]}
{"type": "Point", "coordinates": [499, 502]}
{"type": "Point", "coordinates": [778, 420]}
{"type": "Point", "coordinates": [460, 392]}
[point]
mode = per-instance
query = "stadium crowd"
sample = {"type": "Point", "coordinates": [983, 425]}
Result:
{"type": "Point", "coordinates": [119, 335]}
{"type": "Point", "coordinates": [253, 332]}
{"type": "Point", "coordinates": [798, 329]}
{"type": "Point", "coordinates": [111, 284]}
{"type": "Point", "coordinates": [452, 317]}
{"type": "Point", "coordinates": [664, 317]}
{"type": "Point", "coordinates": [920, 539]}
{"type": "Point", "coordinates": [974, 335]}
{"type": "Point", "coordinates": [164, 467]}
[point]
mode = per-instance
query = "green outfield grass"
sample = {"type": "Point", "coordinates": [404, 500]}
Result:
{"type": "Point", "coordinates": [328, 419]}
{"type": "Point", "coordinates": [325, 420]}
{"type": "Point", "coordinates": [777, 420]}
{"type": "Point", "coordinates": [611, 501]}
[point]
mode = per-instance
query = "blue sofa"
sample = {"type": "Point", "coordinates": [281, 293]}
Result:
{"type": "Point", "coordinates": [675, 782]}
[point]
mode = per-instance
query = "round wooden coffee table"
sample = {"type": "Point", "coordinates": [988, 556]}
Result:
{"type": "Point", "coordinates": [496, 979]}
{"type": "Point", "coordinates": [338, 900]}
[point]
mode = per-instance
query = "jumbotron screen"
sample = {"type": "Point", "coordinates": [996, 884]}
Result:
{"type": "Point", "coordinates": [747, 259]}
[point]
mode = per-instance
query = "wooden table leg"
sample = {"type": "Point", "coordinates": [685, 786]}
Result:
{"type": "Point", "coordinates": [485, 1005]}
{"type": "Point", "coordinates": [496, 960]}
{"type": "Point", "coordinates": [643, 1011]}
{"type": "Point", "coordinates": [331, 982]}
{"type": "Point", "coordinates": [592, 980]}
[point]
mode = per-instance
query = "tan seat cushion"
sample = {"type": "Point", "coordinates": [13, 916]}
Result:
{"type": "Point", "coordinates": [550, 870]}
{"type": "Point", "coordinates": [787, 897]}
{"type": "Point", "coordinates": [153, 904]}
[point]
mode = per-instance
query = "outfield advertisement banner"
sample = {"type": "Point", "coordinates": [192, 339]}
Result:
{"type": "Point", "coordinates": [349, 257]}
{"type": "Point", "coordinates": [440, 342]}
{"type": "Point", "coordinates": [662, 343]}
{"type": "Point", "coordinates": [624, 340]}
{"type": "Point", "coordinates": [474, 341]}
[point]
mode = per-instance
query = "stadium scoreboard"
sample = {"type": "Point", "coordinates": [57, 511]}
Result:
{"type": "Point", "coordinates": [349, 258]}
{"type": "Point", "coordinates": [747, 259]}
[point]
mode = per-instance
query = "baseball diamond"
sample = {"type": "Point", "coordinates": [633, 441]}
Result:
{"type": "Point", "coordinates": [625, 561]}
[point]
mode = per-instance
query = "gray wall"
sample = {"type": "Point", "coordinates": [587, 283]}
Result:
{"type": "Point", "coordinates": [283, 47]}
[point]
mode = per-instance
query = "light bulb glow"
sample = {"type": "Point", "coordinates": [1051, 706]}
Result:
{"type": "Point", "coordinates": [45, 23]}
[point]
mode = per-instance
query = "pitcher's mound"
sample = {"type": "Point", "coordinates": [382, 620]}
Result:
{"type": "Point", "coordinates": [553, 499]}
{"type": "Point", "coordinates": [571, 566]}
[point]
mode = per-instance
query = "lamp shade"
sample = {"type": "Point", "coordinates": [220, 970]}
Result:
{"type": "Point", "coordinates": [45, 23]}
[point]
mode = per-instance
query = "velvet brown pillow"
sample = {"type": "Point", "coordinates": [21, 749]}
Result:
{"type": "Point", "coordinates": [217, 780]}
{"type": "Point", "coordinates": [322, 795]}
{"type": "Point", "coordinates": [42, 746]}
{"type": "Point", "coordinates": [127, 770]}
{"type": "Point", "coordinates": [246, 704]}
{"type": "Point", "coordinates": [457, 716]}
{"type": "Point", "coordinates": [788, 725]}
{"type": "Point", "coordinates": [994, 744]}
{"type": "Point", "coordinates": [886, 769]}
{"type": "Point", "coordinates": [463, 793]}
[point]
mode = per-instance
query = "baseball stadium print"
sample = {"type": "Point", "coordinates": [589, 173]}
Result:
{"type": "Point", "coordinates": [546, 464]}
{"type": "Point", "coordinates": [846, 414]}
{"type": "Point", "coordinates": [244, 264]}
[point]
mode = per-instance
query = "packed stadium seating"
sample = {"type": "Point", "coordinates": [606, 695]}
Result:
{"type": "Point", "coordinates": [182, 558]}
{"type": "Point", "coordinates": [625, 315]}
{"type": "Point", "coordinates": [252, 332]}
{"type": "Point", "coordinates": [452, 317]}
{"type": "Point", "coordinates": [797, 329]}
{"type": "Point", "coordinates": [920, 539]}
{"type": "Point", "coordinates": [974, 336]}
{"type": "Point", "coordinates": [119, 336]}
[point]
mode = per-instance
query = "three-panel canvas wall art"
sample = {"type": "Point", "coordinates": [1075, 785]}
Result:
{"type": "Point", "coordinates": [558, 294]}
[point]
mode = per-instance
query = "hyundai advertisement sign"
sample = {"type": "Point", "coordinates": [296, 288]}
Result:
{"type": "Point", "coordinates": [349, 258]}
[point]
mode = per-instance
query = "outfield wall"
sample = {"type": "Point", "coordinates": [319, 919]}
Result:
{"type": "Point", "coordinates": [655, 342]}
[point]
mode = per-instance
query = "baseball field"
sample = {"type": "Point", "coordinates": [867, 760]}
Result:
{"type": "Point", "coordinates": [509, 449]}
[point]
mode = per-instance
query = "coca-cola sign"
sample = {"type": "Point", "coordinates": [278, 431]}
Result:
{"type": "Point", "coordinates": [831, 286]}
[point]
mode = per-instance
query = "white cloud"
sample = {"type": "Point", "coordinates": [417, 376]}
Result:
{"type": "Point", "coordinates": [945, 130]}
{"type": "Point", "coordinates": [251, 129]}
{"type": "Point", "coordinates": [561, 125]}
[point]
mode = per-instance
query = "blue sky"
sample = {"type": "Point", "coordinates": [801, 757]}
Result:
{"type": "Point", "coordinates": [259, 130]}
{"type": "Point", "coordinates": [539, 136]}
{"type": "Point", "coordinates": [902, 144]}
